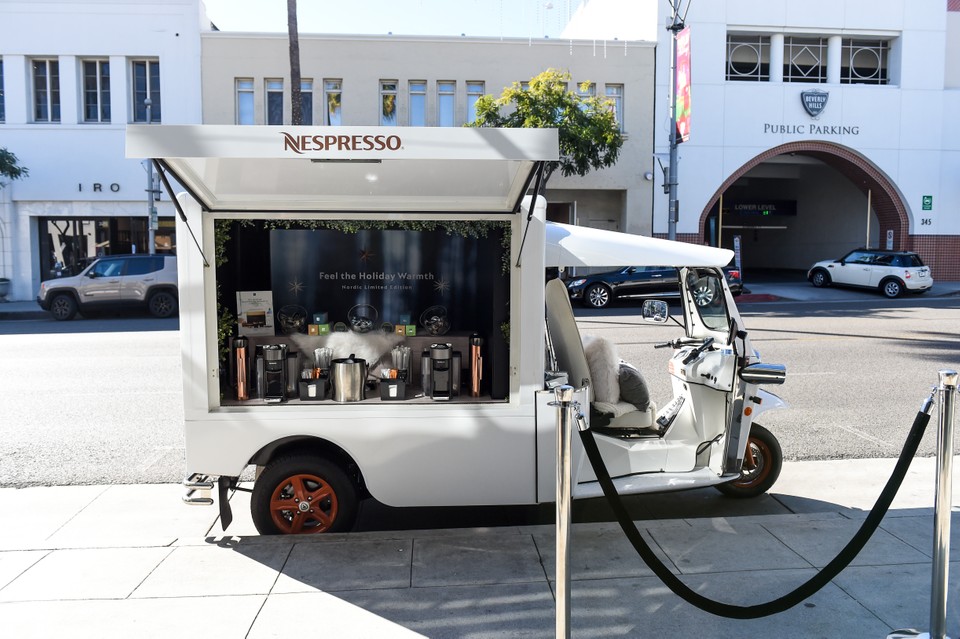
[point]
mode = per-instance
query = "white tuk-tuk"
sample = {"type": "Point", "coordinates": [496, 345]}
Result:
{"type": "Point", "coordinates": [363, 314]}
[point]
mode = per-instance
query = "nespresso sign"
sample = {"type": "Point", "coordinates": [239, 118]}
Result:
{"type": "Point", "coordinates": [303, 143]}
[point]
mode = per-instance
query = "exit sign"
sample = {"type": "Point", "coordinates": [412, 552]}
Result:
{"type": "Point", "coordinates": [927, 202]}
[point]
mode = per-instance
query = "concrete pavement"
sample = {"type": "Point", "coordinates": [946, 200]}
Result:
{"type": "Point", "coordinates": [132, 561]}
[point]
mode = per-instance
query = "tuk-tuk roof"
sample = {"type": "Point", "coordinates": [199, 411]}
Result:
{"type": "Point", "coordinates": [382, 169]}
{"type": "Point", "coordinates": [583, 246]}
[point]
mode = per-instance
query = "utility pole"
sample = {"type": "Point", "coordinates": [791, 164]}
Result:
{"type": "Point", "coordinates": [673, 207]}
{"type": "Point", "coordinates": [151, 192]}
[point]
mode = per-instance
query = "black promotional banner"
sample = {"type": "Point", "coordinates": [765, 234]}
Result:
{"type": "Point", "coordinates": [385, 276]}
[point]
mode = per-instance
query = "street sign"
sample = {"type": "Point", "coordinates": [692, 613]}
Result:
{"type": "Point", "coordinates": [927, 202]}
{"type": "Point", "coordinates": [736, 252]}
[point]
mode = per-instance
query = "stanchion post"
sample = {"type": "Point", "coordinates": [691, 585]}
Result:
{"type": "Point", "coordinates": [564, 405]}
{"type": "Point", "coordinates": [942, 506]}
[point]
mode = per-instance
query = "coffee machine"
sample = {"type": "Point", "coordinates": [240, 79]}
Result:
{"type": "Point", "coordinates": [440, 371]}
{"type": "Point", "coordinates": [274, 372]}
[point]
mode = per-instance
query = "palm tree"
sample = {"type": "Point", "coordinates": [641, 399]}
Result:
{"type": "Point", "coordinates": [296, 112]}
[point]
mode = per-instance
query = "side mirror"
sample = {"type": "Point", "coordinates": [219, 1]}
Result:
{"type": "Point", "coordinates": [92, 275]}
{"type": "Point", "coordinates": [763, 374]}
{"type": "Point", "coordinates": [655, 311]}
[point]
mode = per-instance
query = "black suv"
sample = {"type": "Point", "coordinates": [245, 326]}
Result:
{"type": "Point", "coordinates": [115, 281]}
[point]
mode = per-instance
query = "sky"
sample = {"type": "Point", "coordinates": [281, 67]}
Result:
{"type": "Point", "coordinates": [478, 18]}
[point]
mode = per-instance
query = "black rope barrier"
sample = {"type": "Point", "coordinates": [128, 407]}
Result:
{"type": "Point", "coordinates": [808, 588]}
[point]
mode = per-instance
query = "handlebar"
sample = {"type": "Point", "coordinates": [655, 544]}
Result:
{"type": "Point", "coordinates": [698, 351]}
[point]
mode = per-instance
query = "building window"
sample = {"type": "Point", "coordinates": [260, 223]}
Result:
{"type": "Point", "coordinates": [748, 58]}
{"type": "Point", "coordinates": [864, 62]}
{"type": "Point", "coordinates": [474, 93]}
{"type": "Point", "coordinates": [96, 91]}
{"type": "Point", "coordinates": [446, 103]}
{"type": "Point", "coordinates": [585, 91]}
{"type": "Point", "coordinates": [3, 115]}
{"type": "Point", "coordinates": [245, 108]}
{"type": "Point", "coordinates": [46, 91]}
{"type": "Point", "coordinates": [306, 102]}
{"type": "Point", "coordinates": [614, 93]}
{"type": "Point", "coordinates": [146, 84]}
{"type": "Point", "coordinates": [418, 103]}
{"type": "Point", "coordinates": [804, 59]}
{"type": "Point", "coordinates": [331, 94]}
{"type": "Point", "coordinates": [274, 101]}
{"type": "Point", "coordinates": [388, 103]}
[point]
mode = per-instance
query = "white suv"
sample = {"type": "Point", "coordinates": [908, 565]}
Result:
{"type": "Point", "coordinates": [115, 281]}
{"type": "Point", "coordinates": [891, 272]}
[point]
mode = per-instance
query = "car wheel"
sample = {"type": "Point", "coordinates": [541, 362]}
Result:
{"type": "Point", "coordinates": [303, 494]}
{"type": "Point", "coordinates": [63, 307]}
{"type": "Point", "coordinates": [891, 288]}
{"type": "Point", "coordinates": [597, 296]}
{"type": "Point", "coordinates": [703, 293]}
{"type": "Point", "coordinates": [819, 278]}
{"type": "Point", "coordinates": [162, 304]}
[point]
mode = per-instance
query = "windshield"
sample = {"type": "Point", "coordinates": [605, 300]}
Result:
{"type": "Point", "coordinates": [710, 302]}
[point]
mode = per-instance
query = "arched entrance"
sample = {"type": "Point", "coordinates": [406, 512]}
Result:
{"type": "Point", "coordinates": [853, 179]}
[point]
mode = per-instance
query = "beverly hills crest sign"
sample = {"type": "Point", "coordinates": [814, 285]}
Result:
{"type": "Point", "coordinates": [814, 101]}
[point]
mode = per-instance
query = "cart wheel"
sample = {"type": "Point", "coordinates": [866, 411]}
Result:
{"type": "Point", "coordinates": [761, 465]}
{"type": "Point", "coordinates": [301, 495]}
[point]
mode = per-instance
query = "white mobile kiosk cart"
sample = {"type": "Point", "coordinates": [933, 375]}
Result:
{"type": "Point", "coordinates": [360, 240]}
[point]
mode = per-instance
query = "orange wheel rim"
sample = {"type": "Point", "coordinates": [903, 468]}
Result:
{"type": "Point", "coordinates": [756, 464]}
{"type": "Point", "coordinates": [303, 504]}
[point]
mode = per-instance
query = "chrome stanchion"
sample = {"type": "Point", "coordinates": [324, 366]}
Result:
{"type": "Point", "coordinates": [565, 409]}
{"type": "Point", "coordinates": [942, 508]}
{"type": "Point", "coordinates": [941, 531]}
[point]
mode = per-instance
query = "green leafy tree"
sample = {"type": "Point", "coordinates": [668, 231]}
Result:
{"type": "Point", "coordinates": [10, 167]}
{"type": "Point", "coordinates": [589, 134]}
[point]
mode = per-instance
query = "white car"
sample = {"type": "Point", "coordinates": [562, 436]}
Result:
{"type": "Point", "coordinates": [891, 272]}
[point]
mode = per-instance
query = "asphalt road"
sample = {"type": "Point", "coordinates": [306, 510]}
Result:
{"type": "Point", "coordinates": [105, 406]}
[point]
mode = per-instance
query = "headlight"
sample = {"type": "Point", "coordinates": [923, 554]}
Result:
{"type": "Point", "coordinates": [576, 283]}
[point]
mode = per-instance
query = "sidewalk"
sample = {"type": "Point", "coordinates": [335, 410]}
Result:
{"type": "Point", "coordinates": [132, 561]}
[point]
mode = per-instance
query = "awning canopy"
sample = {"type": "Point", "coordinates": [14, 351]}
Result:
{"type": "Point", "coordinates": [583, 246]}
{"type": "Point", "coordinates": [382, 169]}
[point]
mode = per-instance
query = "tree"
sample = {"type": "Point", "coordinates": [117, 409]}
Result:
{"type": "Point", "coordinates": [296, 108]}
{"type": "Point", "coordinates": [589, 134]}
{"type": "Point", "coordinates": [9, 167]}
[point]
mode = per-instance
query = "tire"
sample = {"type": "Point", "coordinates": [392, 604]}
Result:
{"type": "Point", "coordinates": [63, 307]}
{"type": "Point", "coordinates": [597, 296]}
{"type": "Point", "coordinates": [162, 304]}
{"type": "Point", "coordinates": [761, 465]}
{"type": "Point", "coordinates": [819, 278]}
{"type": "Point", "coordinates": [303, 494]}
{"type": "Point", "coordinates": [891, 288]}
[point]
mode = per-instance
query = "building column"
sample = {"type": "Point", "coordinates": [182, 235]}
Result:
{"type": "Point", "coordinates": [776, 57]}
{"type": "Point", "coordinates": [834, 59]}
{"type": "Point", "coordinates": [120, 99]}
{"type": "Point", "coordinates": [69, 90]}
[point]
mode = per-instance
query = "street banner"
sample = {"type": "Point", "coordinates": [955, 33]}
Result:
{"type": "Point", "coordinates": [681, 89]}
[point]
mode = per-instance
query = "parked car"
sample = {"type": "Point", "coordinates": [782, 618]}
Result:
{"type": "Point", "coordinates": [890, 272]}
{"type": "Point", "coordinates": [115, 281]}
{"type": "Point", "coordinates": [599, 289]}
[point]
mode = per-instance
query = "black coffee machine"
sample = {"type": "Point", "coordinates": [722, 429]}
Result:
{"type": "Point", "coordinates": [274, 372]}
{"type": "Point", "coordinates": [440, 371]}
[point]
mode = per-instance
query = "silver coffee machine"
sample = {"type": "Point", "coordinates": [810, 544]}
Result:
{"type": "Point", "coordinates": [440, 371]}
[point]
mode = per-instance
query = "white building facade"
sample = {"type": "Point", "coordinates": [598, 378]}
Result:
{"type": "Point", "coordinates": [822, 126]}
{"type": "Point", "coordinates": [433, 81]}
{"type": "Point", "coordinates": [72, 75]}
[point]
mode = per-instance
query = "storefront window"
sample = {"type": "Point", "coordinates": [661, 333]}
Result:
{"type": "Point", "coordinates": [69, 245]}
